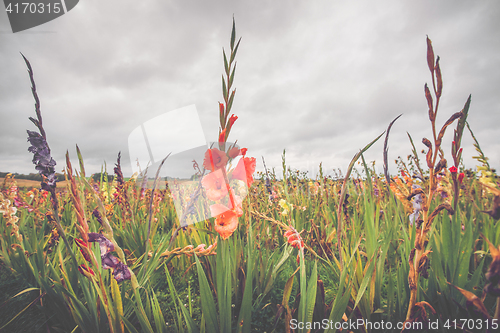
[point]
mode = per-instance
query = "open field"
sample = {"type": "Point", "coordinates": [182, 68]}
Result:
{"type": "Point", "coordinates": [28, 184]}
{"type": "Point", "coordinates": [240, 251]}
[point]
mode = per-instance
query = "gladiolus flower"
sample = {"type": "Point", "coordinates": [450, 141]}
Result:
{"type": "Point", "coordinates": [214, 159]}
{"type": "Point", "coordinates": [293, 238]}
{"type": "Point", "coordinates": [120, 270]}
{"type": "Point", "coordinates": [286, 206]}
{"type": "Point", "coordinates": [105, 244]}
{"type": "Point", "coordinates": [232, 119]}
{"type": "Point", "coordinates": [244, 151]}
{"type": "Point", "coordinates": [417, 205]}
{"type": "Point", "coordinates": [233, 152]}
{"type": "Point", "coordinates": [453, 169]}
{"type": "Point", "coordinates": [226, 219]}
{"type": "Point", "coordinates": [85, 270]}
{"type": "Point", "coordinates": [215, 185]}
{"type": "Point", "coordinates": [41, 158]}
{"type": "Point", "coordinates": [84, 248]}
{"type": "Point", "coordinates": [244, 170]}
{"type": "Point", "coordinates": [221, 110]}
{"type": "Point", "coordinates": [226, 223]}
{"type": "Point", "coordinates": [461, 177]}
{"type": "Point", "coordinates": [222, 136]}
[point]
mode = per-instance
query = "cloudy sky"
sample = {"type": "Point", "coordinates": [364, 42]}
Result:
{"type": "Point", "coordinates": [321, 79]}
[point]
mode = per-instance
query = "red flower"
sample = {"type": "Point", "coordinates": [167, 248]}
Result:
{"type": "Point", "coordinates": [461, 177]}
{"type": "Point", "coordinates": [244, 170]}
{"type": "Point", "coordinates": [222, 136]}
{"type": "Point", "coordinates": [214, 159]}
{"type": "Point", "coordinates": [84, 248]}
{"type": "Point", "coordinates": [85, 270]}
{"type": "Point", "coordinates": [453, 169]}
{"type": "Point", "coordinates": [293, 238]}
{"type": "Point", "coordinates": [232, 119]}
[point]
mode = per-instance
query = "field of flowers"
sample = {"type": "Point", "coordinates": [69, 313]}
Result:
{"type": "Point", "coordinates": [416, 251]}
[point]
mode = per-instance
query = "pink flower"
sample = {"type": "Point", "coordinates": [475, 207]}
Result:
{"type": "Point", "coordinates": [215, 185]}
{"type": "Point", "coordinates": [233, 152]}
{"type": "Point", "coordinates": [214, 159]}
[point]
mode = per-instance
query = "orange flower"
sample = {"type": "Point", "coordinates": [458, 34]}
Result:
{"type": "Point", "coordinates": [214, 159]}
{"type": "Point", "coordinates": [215, 185]}
{"type": "Point", "coordinates": [244, 170]}
{"type": "Point", "coordinates": [226, 219]}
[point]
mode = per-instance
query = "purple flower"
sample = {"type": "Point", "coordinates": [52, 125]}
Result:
{"type": "Point", "coordinates": [41, 158]}
{"type": "Point", "coordinates": [120, 270]}
{"type": "Point", "coordinates": [105, 244]}
{"type": "Point", "coordinates": [97, 215]}
{"type": "Point", "coordinates": [110, 261]}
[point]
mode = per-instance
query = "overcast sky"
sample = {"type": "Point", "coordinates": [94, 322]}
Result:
{"type": "Point", "coordinates": [321, 79]}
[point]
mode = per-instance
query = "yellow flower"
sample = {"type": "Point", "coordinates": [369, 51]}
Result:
{"type": "Point", "coordinates": [287, 207]}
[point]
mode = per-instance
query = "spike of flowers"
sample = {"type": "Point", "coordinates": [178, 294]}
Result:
{"type": "Point", "coordinates": [44, 162]}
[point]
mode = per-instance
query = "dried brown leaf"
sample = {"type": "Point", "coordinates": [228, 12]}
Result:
{"type": "Point", "coordinates": [471, 297]}
{"type": "Point", "coordinates": [455, 116]}
{"type": "Point", "coordinates": [428, 96]}
{"type": "Point", "coordinates": [430, 55]}
{"type": "Point", "coordinates": [439, 79]}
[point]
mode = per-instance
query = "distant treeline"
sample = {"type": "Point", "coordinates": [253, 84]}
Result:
{"type": "Point", "coordinates": [97, 177]}
{"type": "Point", "coordinates": [31, 176]}
{"type": "Point", "coordinates": [60, 177]}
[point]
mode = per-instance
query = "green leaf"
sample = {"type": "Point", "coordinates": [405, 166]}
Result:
{"type": "Point", "coordinates": [230, 103]}
{"type": "Point", "coordinates": [80, 159]}
{"type": "Point", "coordinates": [245, 315]}
{"type": "Point", "coordinates": [233, 34]}
{"type": "Point", "coordinates": [365, 281]}
{"type": "Point", "coordinates": [231, 77]}
{"type": "Point", "coordinates": [226, 66]}
{"type": "Point", "coordinates": [233, 53]}
{"type": "Point", "coordinates": [129, 325]}
{"type": "Point", "coordinates": [461, 122]}
{"type": "Point", "coordinates": [224, 90]}
{"type": "Point", "coordinates": [311, 293]}
{"type": "Point", "coordinates": [207, 300]}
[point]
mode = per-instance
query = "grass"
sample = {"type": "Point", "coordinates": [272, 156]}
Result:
{"type": "Point", "coordinates": [32, 320]}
